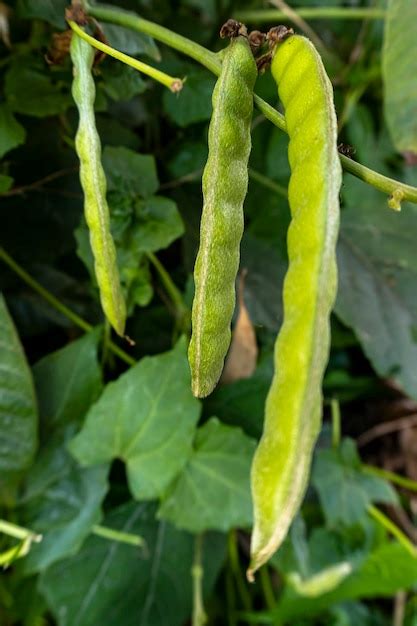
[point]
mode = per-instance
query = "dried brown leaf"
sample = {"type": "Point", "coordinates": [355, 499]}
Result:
{"type": "Point", "coordinates": [243, 353]}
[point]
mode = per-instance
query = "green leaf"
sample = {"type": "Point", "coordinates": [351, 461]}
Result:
{"type": "Point", "coordinates": [147, 418]}
{"type": "Point", "coordinates": [115, 584]}
{"type": "Point", "coordinates": [130, 42]}
{"type": "Point", "coordinates": [52, 11]}
{"type": "Point", "coordinates": [377, 257]}
{"type": "Point", "coordinates": [399, 65]}
{"type": "Point", "coordinates": [31, 91]}
{"type": "Point", "coordinates": [157, 224]}
{"type": "Point", "coordinates": [12, 134]}
{"type": "Point", "coordinates": [242, 403]}
{"type": "Point", "coordinates": [345, 491]}
{"type": "Point", "coordinates": [130, 173]}
{"type": "Point", "coordinates": [18, 409]}
{"type": "Point", "coordinates": [193, 104]}
{"type": "Point", "coordinates": [263, 285]}
{"type": "Point", "coordinates": [61, 501]}
{"type": "Point", "coordinates": [213, 490]}
{"type": "Point", "coordinates": [121, 82]}
{"type": "Point", "coordinates": [385, 571]}
{"type": "Point", "coordinates": [189, 158]}
{"type": "Point", "coordinates": [6, 183]}
{"type": "Point", "coordinates": [68, 381]}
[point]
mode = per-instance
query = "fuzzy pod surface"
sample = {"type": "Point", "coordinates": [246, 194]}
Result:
{"type": "Point", "coordinates": [225, 183]}
{"type": "Point", "coordinates": [93, 183]}
{"type": "Point", "coordinates": [293, 411]}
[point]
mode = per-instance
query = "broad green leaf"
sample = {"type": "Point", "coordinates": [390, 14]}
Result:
{"type": "Point", "coordinates": [122, 82]}
{"type": "Point", "coordinates": [52, 11]}
{"type": "Point", "coordinates": [130, 173]}
{"type": "Point", "coordinates": [193, 103]}
{"type": "Point", "coordinates": [213, 490]}
{"type": "Point", "coordinates": [18, 408]}
{"type": "Point", "coordinates": [147, 418]}
{"type": "Point", "coordinates": [377, 257]}
{"type": "Point", "coordinates": [30, 89]}
{"type": "Point", "coordinates": [345, 491]}
{"type": "Point", "coordinates": [61, 501]}
{"type": "Point", "coordinates": [12, 133]}
{"type": "Point", "coordinates": [388, 569]}
{"type": "Point", "coordinates": [114, 584]}
{"type": "Point", "coordinates": [68, 381]}
{"type": "Point", "coordinates": [189, 158]}
{"type": "Point", "coordinates": [266, 268]}
{"type": "Point", "coordinates": [130, 42]}
{"type": "Point", "coordinates": [399, 64]}
{"type": "Point", "coordinates": [352, 613]}
{"type": "Point", "coordinates": [157, 224]}
{"type": "Point", "coordinates": [242, 403]}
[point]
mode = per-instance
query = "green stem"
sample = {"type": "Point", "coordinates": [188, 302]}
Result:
{"type": "Point", "coordinates": [160, 33]}
{"type": "Point", "coordinates": [401, 481]}
{"type": "Point", "coordinates": [174, 84]}
{"type": "Point", "coordinates": [197, 572]}
{"type": "Point", "coordinates": [377, 180]}
{"type": "Point", "coordinates": [212, 62]}
{"type": "Point", "coordinates": [392, 528]}
{"type": "Point", "coordinates": [18, 532]}
{"type": "Point", "coordinates": [336, 421]}
{"type": "Point", "coordinates": [172, 290]}
{"type": "Point", "coordinates": [237, 571]}
{"type": "Point", "coordinates": [314, 13]}
{"type": "Point", "coordinates": [58, 306]}
{"type": "Point", "coordinates": [117, 535]}
{"type": "Point", "coordinates": [230, 599]}
{"type": "Point", "coordinates": [267, 182]}
{"type": "Point", "coordinates": [267, 588]}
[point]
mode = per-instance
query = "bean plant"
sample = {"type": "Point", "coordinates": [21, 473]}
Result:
{"type": "Point", "coordinates": [169, 453]}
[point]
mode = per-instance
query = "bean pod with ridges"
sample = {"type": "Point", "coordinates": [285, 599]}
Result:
{"type": "Point", "coordinates": [225, 182]}
{"type": "Point", "coordinates": [93, 182]}
{"type": "Point", "coordinates": [293, 409]}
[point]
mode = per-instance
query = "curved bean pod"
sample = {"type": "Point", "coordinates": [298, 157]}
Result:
{"type": "Point", "coordinates": [225, 182]}
{"type": "Point", "coordinates": [293, 409]}
{"type": "Point", "coordinates": [93, 182]}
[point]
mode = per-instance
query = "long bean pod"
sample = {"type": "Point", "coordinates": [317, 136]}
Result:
{"type": "Point", "coordinates": [225, 182]}
{"type": "Point", "coordinates": [93, 182]}
{"type": "Point", "coordinates": [293, 409]}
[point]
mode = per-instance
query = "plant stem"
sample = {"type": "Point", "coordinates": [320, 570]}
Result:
{"type": "Point", "coordinates": [267, 182]}
{"type": "Point", "coordinates": [314, 13]}
{"type": "Point", "coordinates": [18, 532]}
{"type": "Point", "coordinates": [230, 599]}
{"type": "Point", "coordinates": [117, 535]}
{"type": "Point", "coordinates": [58, 306]}
{"type": "Point", "coordinates": [211, 61]}
{"type": "Point", "coordinates": [160, 33]}
{"type": "Point", "coordinates": [174, 84]}
{"type": "Point", "coordinates": [336, 421]}
{"type": "Point", "coordinates": [397, 479]}
{"type": "Point", "coordinates": [237, 571]}
{"type": "Point", "coordinates": [174, 293]}
{"type": "Point", "coordinates": [392, 528]}
{"type": "Point", "coordinates": [197, 572]}
{"type": "Point", "coordinates": [267, 588]}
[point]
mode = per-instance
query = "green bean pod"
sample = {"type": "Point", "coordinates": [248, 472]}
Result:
{"type": "Point", "coordinates": [93, 182]}
{"type": "Point", "coordinates": [225, 182]}
{"type": "Point", "coordinates": [293, 409]}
